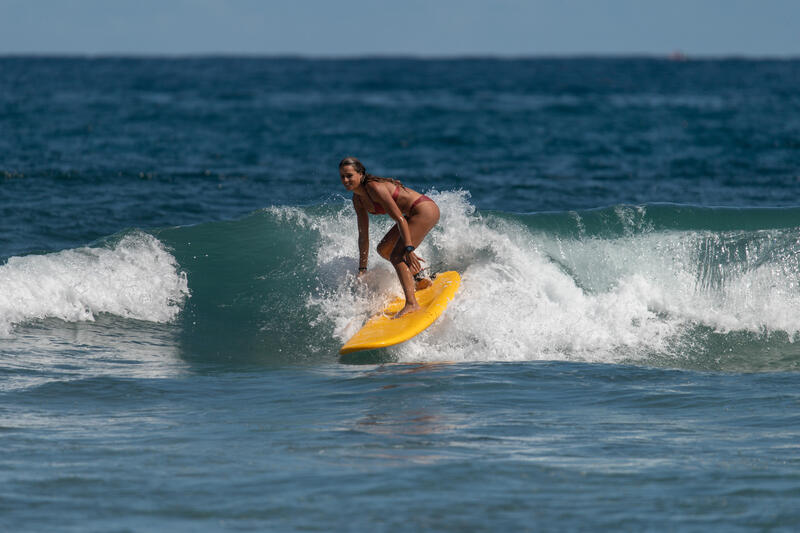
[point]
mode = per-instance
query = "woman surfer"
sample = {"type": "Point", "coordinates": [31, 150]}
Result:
{"type": "Point", "coordinates": [414, 213]}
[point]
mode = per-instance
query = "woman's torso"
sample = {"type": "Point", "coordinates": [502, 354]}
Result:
{"type": "Point", "coordinates": [404, 197]}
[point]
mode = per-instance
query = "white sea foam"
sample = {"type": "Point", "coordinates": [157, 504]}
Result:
{"type": "Point", "coordinates": [528, 295]}
{"type": "Point", "coordinates": [136, 278]}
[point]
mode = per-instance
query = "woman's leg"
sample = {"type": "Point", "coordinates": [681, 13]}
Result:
{"type": "Point", "coordinates": [386, 245]}
{"type": "Point", "coordinates": [422, 221]}
{"type": "Point", "coordinates": [385, 248]}
{"type": "Point", "coordinates": [423, 217]}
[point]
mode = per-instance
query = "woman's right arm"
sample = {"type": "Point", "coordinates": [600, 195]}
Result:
{"type": "Point", "coordinates": [363, 234]}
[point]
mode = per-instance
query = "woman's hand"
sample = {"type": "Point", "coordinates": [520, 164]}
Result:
{"type": "Point", "coordinates": [413, 262]}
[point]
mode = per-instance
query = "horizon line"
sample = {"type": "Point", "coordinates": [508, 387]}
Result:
{"type": "Point", "coordinates": [676, 56]}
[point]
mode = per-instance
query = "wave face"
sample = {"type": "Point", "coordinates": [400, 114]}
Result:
{"type": "Point", "coordinates": [648, 284]}
{"type": "Point", "coordinates": [656, 284]}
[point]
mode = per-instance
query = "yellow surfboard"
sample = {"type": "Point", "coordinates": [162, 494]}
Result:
{"type": "Point", "coordinates": [382, 330]}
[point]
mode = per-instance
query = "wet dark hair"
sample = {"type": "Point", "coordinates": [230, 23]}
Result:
{"type": "Point", "coordinates": [359, 167]}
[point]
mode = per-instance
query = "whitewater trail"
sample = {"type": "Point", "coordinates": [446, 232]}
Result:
{"type": "Point", "coordinates": [529, 294]}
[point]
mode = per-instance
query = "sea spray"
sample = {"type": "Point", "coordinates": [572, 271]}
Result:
{"type": "Point", "coordinates": [622, 291]}
{"type": "Point", "coordinates": [135, 277]}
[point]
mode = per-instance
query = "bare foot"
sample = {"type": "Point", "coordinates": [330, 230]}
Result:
{"type": "Point", "coordinates": [407, 309]}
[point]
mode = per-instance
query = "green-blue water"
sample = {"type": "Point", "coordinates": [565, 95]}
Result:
{"type": "Point", "coordinates": [177, 276]}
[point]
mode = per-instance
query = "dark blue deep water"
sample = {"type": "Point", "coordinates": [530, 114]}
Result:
{"type": "Point", "coordinates": [177, 260]}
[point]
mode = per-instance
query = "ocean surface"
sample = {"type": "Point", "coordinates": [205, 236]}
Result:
{"type": "Point", "coordinates": [177, 260]}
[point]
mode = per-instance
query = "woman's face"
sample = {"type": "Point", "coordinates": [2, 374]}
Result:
{"type": "Point", "coordinates": [350, 178]}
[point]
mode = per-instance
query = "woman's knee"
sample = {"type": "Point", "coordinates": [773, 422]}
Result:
{"type": "Point", "coordinates": [384, 250]}
{"type": "Point", "coordinates": [396, 256]}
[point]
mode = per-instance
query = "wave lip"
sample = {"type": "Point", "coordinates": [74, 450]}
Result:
{"type": "Point", "coordinates": [136, 277]}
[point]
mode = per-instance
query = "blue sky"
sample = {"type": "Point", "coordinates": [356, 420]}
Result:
{"type": "Point", "coordinates": [410, 27]}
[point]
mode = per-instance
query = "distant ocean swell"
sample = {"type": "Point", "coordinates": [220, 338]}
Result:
{"type": "Point", "coordinates": [656, 284]}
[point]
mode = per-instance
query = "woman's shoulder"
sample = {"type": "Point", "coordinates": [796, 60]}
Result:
{"type": "Point", "coordinates": [375, 185]}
